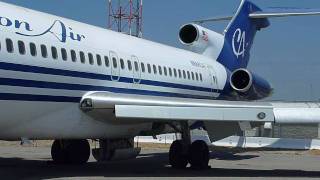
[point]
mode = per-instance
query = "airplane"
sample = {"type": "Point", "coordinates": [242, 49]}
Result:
{"type": "Point", "coordinates": [70, 82]}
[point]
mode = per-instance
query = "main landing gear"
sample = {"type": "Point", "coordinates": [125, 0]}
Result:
{"type": "Point", "coordinates": [70, 151]}
{"type": "Point", "coordinates": [183, 151]}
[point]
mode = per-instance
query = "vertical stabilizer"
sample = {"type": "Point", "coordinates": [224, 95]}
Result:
{"type": "Point", "coordinates": [239, 36]}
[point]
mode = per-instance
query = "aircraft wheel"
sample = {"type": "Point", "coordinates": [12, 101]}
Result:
{"type": "Point", "coordinates": [78, 151]}
{"type": "Point", "coordinates": [199, 155]}
{"type": "Point", "coordinates": [70, 151]}
{"type": "Point", "coordinates": [58, 152]}
{"type": "Point", "coordinates": [177, 158]}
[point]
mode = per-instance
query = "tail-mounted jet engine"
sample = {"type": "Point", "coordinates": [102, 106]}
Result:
{"type": "Point", "coordinates": [201, 40]}
{"type": "Point", "coordinates": [249, 85]}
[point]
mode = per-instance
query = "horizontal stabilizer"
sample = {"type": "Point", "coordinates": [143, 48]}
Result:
{"type": "Point", "coordinates": [218, 18]}
{"type": "Point", "coordinates": [284, 12]}
{"type": "Point", "coordinates": [267, 13]}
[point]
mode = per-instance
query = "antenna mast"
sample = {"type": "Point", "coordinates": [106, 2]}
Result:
{"type": "Point", "coordinates": [126, 16]}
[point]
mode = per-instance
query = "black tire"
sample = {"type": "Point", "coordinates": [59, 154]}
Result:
{"type": "Point", "coordinates": [177, 157]}
{"type": "Point", "coordinates": [70, 151]}
{"type": "Point", "coordinates": [199, 155]}
{"type": "Point", "coordinates": [58, 152]}
{"type": "Point", "coordinates": [78, 151]}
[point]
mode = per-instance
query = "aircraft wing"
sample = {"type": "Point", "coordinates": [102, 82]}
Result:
{"type": "Point", "coordinates": [179, 109]}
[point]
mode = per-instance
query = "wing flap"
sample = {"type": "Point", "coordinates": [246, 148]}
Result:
{"type": "Point", "coordinates": [194, 113]}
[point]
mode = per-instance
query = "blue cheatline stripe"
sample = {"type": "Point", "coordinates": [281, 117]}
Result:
{"type": "Point", "coordinates": [39, 98]}
{"type": "Point", "coordinates": [79, 87]}
{"type": "Point", "coordinates": [69, 73]}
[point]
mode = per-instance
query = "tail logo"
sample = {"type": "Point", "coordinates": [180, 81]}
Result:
{"type": "Point", "coordinates": [239, 42]}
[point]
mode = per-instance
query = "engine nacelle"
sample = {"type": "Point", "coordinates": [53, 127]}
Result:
{"type": "Point", "coordinates": [201, 40]}
{"type": "Point", "coordinates": [249, 85]}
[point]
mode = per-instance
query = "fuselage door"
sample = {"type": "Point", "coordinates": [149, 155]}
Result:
{"type": "Point", "coordinates": [115, 66]}
{"type": "Point", "coordinates": [136, 69]}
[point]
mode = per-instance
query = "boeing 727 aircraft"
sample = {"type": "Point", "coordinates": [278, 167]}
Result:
{"type": "Point", "coordinates": [67, 81]}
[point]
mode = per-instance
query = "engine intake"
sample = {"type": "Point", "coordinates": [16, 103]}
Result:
{"type": "Point", "coordinates": [241, 80]}
{"type": "Point", "coordinates": [250, 85]}
{"type": "Point", "coordinates": [188, 34]}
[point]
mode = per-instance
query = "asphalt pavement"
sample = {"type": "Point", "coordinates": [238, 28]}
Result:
{"type": "Point", "coordinates": [18, 162]}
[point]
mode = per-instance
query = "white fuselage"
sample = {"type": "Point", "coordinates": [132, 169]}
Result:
{"type": "Point", "coordinates": [40, 93]}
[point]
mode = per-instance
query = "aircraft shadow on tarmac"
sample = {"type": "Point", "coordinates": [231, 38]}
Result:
{"type": "Point", "coordinates": [230, 156]}
{"type": "Point", "coordinates": [147, 165]}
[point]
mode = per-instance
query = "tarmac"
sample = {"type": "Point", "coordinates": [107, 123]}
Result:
{"type": "Point", "coordinates": [17, 162]}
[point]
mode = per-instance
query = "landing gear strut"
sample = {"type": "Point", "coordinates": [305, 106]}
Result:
{"type": "Point", "coordinates": [183, 151]}
{"type": "Point", "coordinates": [70, 151]}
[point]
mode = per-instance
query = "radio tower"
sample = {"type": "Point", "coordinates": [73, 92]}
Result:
{"type": "Point", "coordinates": [126, 16]}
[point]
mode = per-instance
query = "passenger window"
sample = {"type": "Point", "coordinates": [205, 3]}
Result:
{"type": "Point", "coordinates": [44, 51]}
{"type": "Point", "coordinates": [114, 61]}
{"type": "Point", "coordinates": [188, 73]}
{"type": "Point", "coordinates": [73, 56]}
{"type": "Point", "coordinates": [154, 69]}
{"type": "Point", "coordinates": [122, 64]}
{"type": "Point", "coordinates": [9, 45]}
{"type": "Point", "coordinates": [136, 66]}
{"type": "Point", "coordinates": [99, 62]}
{"type": "Point", "coordinates": [54, 52]}
{"type": "Point", "coordinates": [192, 75]}
{"type": "Point", "coordinates": [33, 49]}
{"type": "Point", "coordinates": [160, 70]}
{"type": "Point", "coordinates": [106, 61]}
{"type": "Point", "coordinates": [179, 72]}
{"type": "Point", "coordinates": [82, 57]}
{"type": "Point", "coordinates": [170, 72]}
{"type": "Point", "coordinates": [22, 47]}
{"type": "Point", "coordinates": [197, 77]}
{"type": "Point", "coordinates": [165, 71]}
{"type": "Point", "coordinates": [175, 72]}
{"type": "Point", "coordinates": [149, 68]}
{"type": "Point", "coordinates": [143, 69]}
{"type": "Point", "coordinates": [184, 74]}
{"type": "Point", "coordinates": [129, 65]}
{"type": "Point", "coordinates": [64, 54]}
{"type": "Point", "coordinates": [91, 60]}
{"type": "Point", "coordinates": [201, 77]}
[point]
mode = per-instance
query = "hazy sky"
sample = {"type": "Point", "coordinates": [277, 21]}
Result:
{"type": "Point", "coordinates": [286, 54]}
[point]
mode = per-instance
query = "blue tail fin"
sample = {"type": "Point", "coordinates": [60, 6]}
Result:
{"type": "Point", "coordinates": [239, 36]}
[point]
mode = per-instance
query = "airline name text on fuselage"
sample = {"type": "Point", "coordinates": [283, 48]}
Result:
{"type": "Point", "coordinates": [58, 29]}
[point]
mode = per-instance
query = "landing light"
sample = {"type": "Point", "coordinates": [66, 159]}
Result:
{"type": "Point", "coordinates": [87, 103]}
